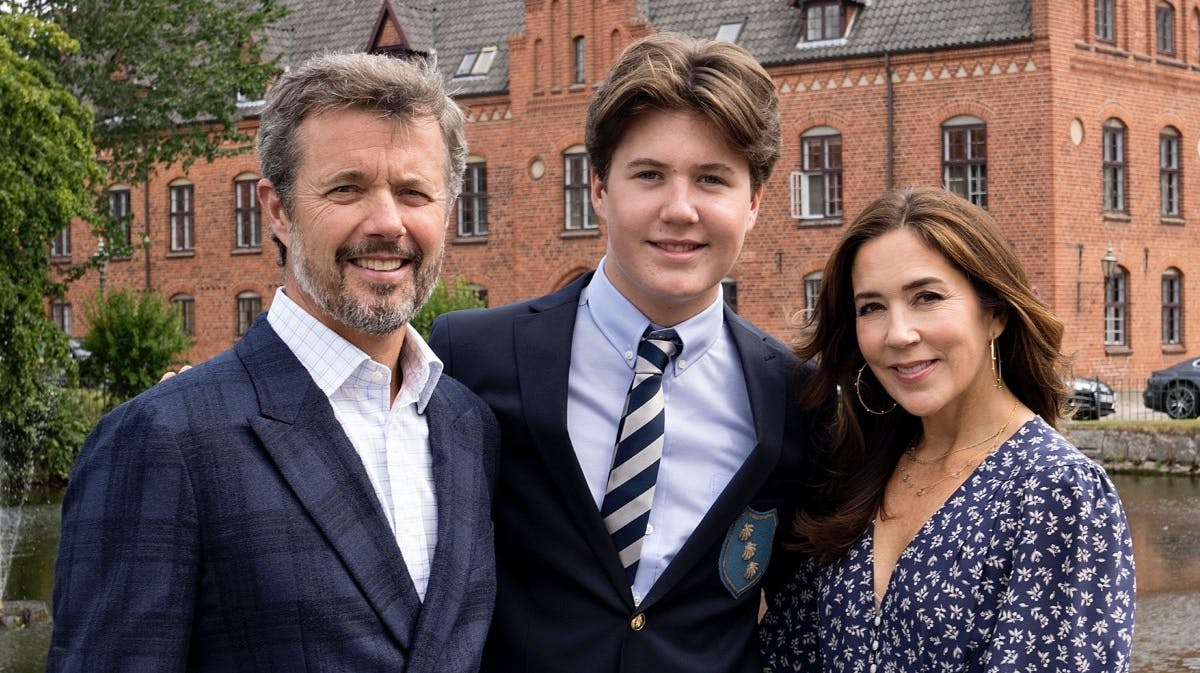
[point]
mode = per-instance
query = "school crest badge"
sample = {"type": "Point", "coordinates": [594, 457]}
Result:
{"type": "Point", "coordinates": [747, 550]}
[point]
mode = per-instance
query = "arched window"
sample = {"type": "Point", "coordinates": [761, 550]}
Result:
{"type": "Point", "coordinates": [817, 186]}
{"type": "Point", "coordinates": [579, 51]}
{"type": "Point", "coordinates": [1116, 308]}
{"type": "Point", "coordinates": [1114, 166]}
{"type": "Point", "coordinates": [812, 290]}
{"type": "Point", "coordinates": [120, 209]}
{"type": "Point", "coordinates": [1106, 20]}
{"type": "Point", "coordinates": [473, 200]}
{"type": "Point", "coordinates": [249, 305]}
{"type": "Point", "coordinates": [180, 194]}
{"type": "Point", "coordinates": [1172, 307]}
{"type": "Point", "coordinates": [247, 217]}
{"type": "Point", "coordinates": [964, 158]}
{"type": "Point", "coordinates": [1168, 171]}
{"type": "Point", "coordinates": [186, 307]}
{"type": "Point", "coordinates": [577, 200]}
{"type": "Point", "coordinates": [1164, 28]}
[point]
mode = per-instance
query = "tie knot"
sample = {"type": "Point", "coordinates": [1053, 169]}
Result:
{"type": "Point", "coordinates": [657, 348]}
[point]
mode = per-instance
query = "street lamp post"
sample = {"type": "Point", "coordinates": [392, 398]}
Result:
{"type": "Point", "coordinates": [1108, 265]}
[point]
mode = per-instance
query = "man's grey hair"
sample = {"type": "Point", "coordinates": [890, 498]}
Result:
{"type": "Point", "coordinates": [395, 88]}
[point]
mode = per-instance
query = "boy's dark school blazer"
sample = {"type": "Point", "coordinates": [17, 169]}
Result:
{"type": "Point", "coordinates": [563, 603]}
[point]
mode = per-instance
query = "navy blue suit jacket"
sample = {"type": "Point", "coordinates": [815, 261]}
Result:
{"type": "Point", "coordinates": [222, 521]}
{"type": "Point", "coordinates": [563, 601]}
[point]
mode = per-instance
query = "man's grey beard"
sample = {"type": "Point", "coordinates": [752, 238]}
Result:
{"type": "Point", "coordinates": [379, 318]}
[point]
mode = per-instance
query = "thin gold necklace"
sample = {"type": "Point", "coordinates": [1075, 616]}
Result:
{"type": "Point", "coordinates": [906, 478]}
{"type": "Point", "coordinates": [911, 452]}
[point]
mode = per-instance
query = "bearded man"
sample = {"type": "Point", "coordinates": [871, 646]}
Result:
{"type": "Point", "coordinates": [316, 498]}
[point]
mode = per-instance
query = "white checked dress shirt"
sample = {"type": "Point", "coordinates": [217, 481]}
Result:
{"type": "Point", "coordinates": [392, 439]}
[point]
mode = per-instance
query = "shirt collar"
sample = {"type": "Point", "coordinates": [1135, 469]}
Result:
{"type": "Point", "coordinates": [622, 324]}
{"type": "Point", "coordinates": [331, 360]}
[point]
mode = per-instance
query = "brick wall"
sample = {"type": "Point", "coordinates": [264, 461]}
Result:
{"type": "Point", "coordinates": [1044, 187]}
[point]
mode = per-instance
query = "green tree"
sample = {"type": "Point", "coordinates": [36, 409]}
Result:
{"type": "Point", "coordinates": [444, 300]}
{"type": "Point", "coordinates": [163, 78]}
{"type": "Point", "coordinates": [134, 338]}
{"type": "Point", "coordinates": [47, 171]}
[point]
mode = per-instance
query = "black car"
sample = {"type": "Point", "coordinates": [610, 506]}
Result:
{"type": "Point", "coordinates": [1175, 390]}
{"type": "Point", "coordinates": [1090, 398]}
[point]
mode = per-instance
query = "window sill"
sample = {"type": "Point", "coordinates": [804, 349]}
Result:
{"type": "Point", "coordinates": [61, 259]}
{"type": "Point", "coordinates": [470, 240]}
{"type": "Point", "coordinates": [250, 250]}
{"type": "Point", "coordinates": [579, 233]}
{"type": "Point", "coordinates": [1174, 221]}
{"type": "Point", "coordinates": [1111, 216]}
{"type": "Point", "coordinates": [1117, 350]}
{"type": "Point", "coordinates": [578, 86]}
{"type": "Point", "coordinates": [180, 254]}
{"type": "Point", "coordinates": [1173, 349]}
{"type": "Point", "coordinates": [816, 222]}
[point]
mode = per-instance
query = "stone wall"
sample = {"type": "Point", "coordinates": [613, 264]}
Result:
{"type": "Point", "coordinates": [1139, 449]}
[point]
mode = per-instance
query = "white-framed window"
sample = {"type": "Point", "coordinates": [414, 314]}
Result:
{"type": "Point", "coordinates": [577, 200]}
{"type": "Point", "coordinates": [1116, 308]}
{"type": "Point", "coordinates": [120, 209]}
{"type": "Point", "coordinates": [1113, 138]}
{"type": "Point", "coordinates": [1168, 172]}
{"type": "Point", "coordinates": [185, 305]}
{"type": "Point", "coordinates": [964, 158]}
{"type": "Point", "coordinates": [476, 62]}
{"type": "Point", "coordinates": [817, 186]}
{"type": "Point", "coordinates": [473, 201]}
{"type": "Point", "coordinates": [1106, 20]}
{"type": "Point", "coordinates": [1172, 307]}
{"type": "Point", "coordinates": [812, 290]}
{"type": "Point", "coordinates": [1164, 28]}
{"type": "Point", "coordinates": [180, 194]}
{"type": "Point", "coordinates": [60, 312]}
{"type": "Point", "coordinates": [249, 305]}
{"type": "Point", "coordinates": [729, 290]}
{"type": "Point", "coordinates": [247, 215]}
{"type": "Point", "coordinates": [60, 245]}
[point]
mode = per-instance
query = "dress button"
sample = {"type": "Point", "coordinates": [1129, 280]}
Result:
{"type": "Point", "coordinates": [874, 645]}
{"type": "Point", "coordinates": [628, 355]}
{"type": "Point", "coordinates": [638, 621]}
{"type": "Point", "coordinates": [873, 667]}
{"type": "Point", "coordinates": [376, 375]}
{"type": "Point", "coordinates": [649, 529]}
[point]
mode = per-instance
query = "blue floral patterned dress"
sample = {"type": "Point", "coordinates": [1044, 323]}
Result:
{"type": "Point", "coordinates": [1028, 566]}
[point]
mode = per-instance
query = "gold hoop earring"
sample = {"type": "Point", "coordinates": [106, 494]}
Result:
{"type": "Point", "coordinates": [997, 375]}
{"type": "Point", "coordinates": [858, 392]}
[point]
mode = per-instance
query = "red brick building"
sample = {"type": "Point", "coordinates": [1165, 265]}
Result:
{"type": "Point", "coordinates": [1075, 122]}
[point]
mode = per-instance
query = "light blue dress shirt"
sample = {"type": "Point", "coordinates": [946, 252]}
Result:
{"type": "Point", "coordinates": [709, 427]}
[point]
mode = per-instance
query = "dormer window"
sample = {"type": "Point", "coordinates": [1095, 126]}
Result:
{"type": "Point", "coordinates": [476, 62]}
{"type": "Point", "coordinates": [822, 19]}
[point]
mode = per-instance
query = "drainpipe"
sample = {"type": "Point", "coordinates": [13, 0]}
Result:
{"type": "Point", "coordinates": [891, 121]}
{"type": "Point", "coordinates": [146, 232]}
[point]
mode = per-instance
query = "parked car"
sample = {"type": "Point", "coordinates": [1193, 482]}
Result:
{"type": "Point", "coordinates": [1175, 390]}
{"type": "Point", "coordinates": [1090, 398]}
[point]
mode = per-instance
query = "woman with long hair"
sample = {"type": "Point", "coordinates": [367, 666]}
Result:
{"type": "Point", "coordinates": [953, 527]}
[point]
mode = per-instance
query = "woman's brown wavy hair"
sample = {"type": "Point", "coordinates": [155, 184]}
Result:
{"type": "Point", "coordinates": [864, 448]}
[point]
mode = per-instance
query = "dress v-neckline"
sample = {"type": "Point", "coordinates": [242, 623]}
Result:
{"type": "Point", "coordinates": [879, 601]}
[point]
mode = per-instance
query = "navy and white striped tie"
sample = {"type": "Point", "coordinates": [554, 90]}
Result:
{"type": "Point", "coordinates": [630, 491]}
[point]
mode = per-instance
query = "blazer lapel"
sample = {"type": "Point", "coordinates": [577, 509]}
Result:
{"type": "Point", "coordinates": [543, 352]}
{"type": "Point", "coordinates": [304, 439]}
{"type": "Point", "coordinates": [454, 438]}
{"type": "Point", "coordinates": [768, 389]}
